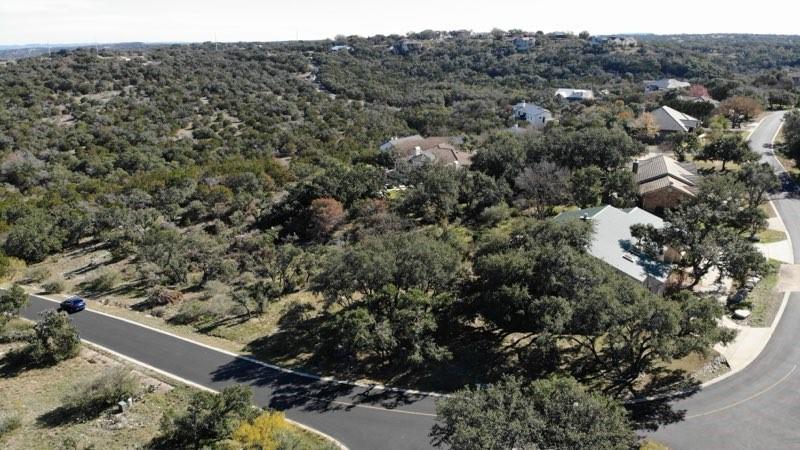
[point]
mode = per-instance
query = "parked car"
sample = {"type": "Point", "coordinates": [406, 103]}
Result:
{"type": "Point", "coordinates": [73, 305]}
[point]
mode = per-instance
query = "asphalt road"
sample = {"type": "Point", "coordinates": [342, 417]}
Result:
{"type": "Point", "coordinates": [358, 417]}
{"type": "Point", "coordinates": [759, 407]}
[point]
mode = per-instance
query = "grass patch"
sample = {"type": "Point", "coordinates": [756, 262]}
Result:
{"type": "Point", "coordinates": [764, 300]}
{"type": "Point", "coordinates": [649, 444]}
{"type": "Point", "coordinates": [770, 236]}
{"type": "Point", "coordinates": [768, 210]}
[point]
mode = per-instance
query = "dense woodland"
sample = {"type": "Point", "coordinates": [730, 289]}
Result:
{"type": "Point", "coordinates": [256, 167]}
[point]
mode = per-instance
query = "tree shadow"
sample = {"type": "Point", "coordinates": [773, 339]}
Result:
{"type": "Point", "coordinates": [64, 415]}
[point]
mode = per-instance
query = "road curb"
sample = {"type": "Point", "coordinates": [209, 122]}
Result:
{"type": "Point", "coordinates": [179, 379]}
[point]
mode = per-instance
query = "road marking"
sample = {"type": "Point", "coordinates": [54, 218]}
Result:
{"type": "Point", "coordinates": [744, 400]}
{"type": "Point", "coordinates": [256, 361]}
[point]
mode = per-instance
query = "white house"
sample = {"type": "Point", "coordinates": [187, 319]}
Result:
{"type": "Point", "coordinates": [534, 114]}
{"type": "Point", "coordinates": [575, 94]}
{"type": "Point", "coordinates": [669, 119]}
{"type": "Point", "coordinates": [666, 84]}
{"type": "Point", "coordinates": [523, 43]}
{"type": "Point", "coordinates": [339, 48]}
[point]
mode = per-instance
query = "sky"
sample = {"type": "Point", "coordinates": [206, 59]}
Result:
{"type": "Point", "coordinates": [87, 21]}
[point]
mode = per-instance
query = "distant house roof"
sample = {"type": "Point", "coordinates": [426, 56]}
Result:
{"type": "Point", "coordinates": [665, 84]}
{"type": "Point", "coordinates": [437, 149]}
{"type": "Point", "coordinates": [337, 48]}
{"type": "Point", "coordinates": [530, 109]}
{"type": "Point", "coordinates": [698, 99]}
{"type": "Point", "coordinates": [669, 119]}
{"type": "Point", "coordinates": [575, 94]}
{"type": "Point", "coordinates": [660, 171]}
{"type": "Point", "coordinates": [613, 243]}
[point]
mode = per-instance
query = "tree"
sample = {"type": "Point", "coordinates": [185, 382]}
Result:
{"type": "Point", "coordinates": [326, 214]}
{"type": "Point", "coordinates": [727, 148]}
{"type": "Point", "coordinates": [11, 303]}
{"type": "Point", "coordinates": [54, 340]}
{"type": "Point", "coordinates": [740, 108]}
{"type": "Point", "coordinates": [502, 157]}
{"type": "Point", "coordinates": [34, 237]}
{"type": "Point", "coordinates": [435, 193]}
{"type": "Point", "coordinates": [209, 418]}
{"type": "Point", "coordinates": [684, 144]}
{"type": "Point", "coordinates": [791, 134]}
{"type": "Point", "coordinates": [647, 127]}
{"type": "Point", "coordinates": [757, 180]}
{"type": "Point", "coordinates": [544, 185]}
{"type": "Point", "coordinates": [411, 260]}
{"type": "Point", "coordinates": [555, 413]}
{"type": "Point", "coordinates": [587, 186]}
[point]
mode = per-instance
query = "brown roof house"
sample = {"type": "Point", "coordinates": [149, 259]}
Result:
{"type": "Point", "coordinates": [663, 182]}
{"type": "Point", "coordinates": [417, 150]}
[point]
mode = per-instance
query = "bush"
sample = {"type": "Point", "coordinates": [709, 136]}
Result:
{"type": "Point", "coordinates": [54, 339]}
{"type": "Point", "coordinates": [54, 286]}
{"type": "Point", "coordinates": [36, 274]}
{"type": "Point", "coordinates": [11, 303]}
{"type": "Point", "coordinates": [103, 282]}
{"type": "Point", "coordinates": [202, 311]}
{"type": "Point", "coordinates": [89, 398]}
{"type": "Point", "coordinates": [209, 418]}
{"type": "Point", "coordinates": [9, 422]}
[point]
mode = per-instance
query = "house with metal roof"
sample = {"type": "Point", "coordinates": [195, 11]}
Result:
{"type": "Point", "coordinates": [533, 114]}
{"type": "Point", "coordinates": [665, 84]}
{"type": "Point", "coordinates": [613, 243]}
{"type": "Point", "coordinates": [671, 120]}
{"type": "Point", "coordinates": [663, 182]}
{"type": "Point", "coordinates": [575, 94]}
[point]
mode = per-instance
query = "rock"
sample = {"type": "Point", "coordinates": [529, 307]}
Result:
{"type": "Point", "coordinates": [741, 314]}
{"type": "Point", "coordinates": [739, 296]}
{"type": "Point", "coordinates": [122, 406]}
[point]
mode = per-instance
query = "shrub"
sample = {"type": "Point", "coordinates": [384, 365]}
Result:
{"type": "Point", "coordinates": [163, 297]}
{"type": "Point", "coordinates": [89, 398]}
{"type": "Point", "coordinates": [9, 422]}
{"type": "Point", "coordinates": [54, 286]}
{"type": "Point", "coordinates": [11, 303]}
{"type": "Point", "coordinates": [209, 418]}
{"type": "Point", "coordinates": [54, 339]}
{"type": "Point", "coordinates": [262, 432]}
{"type": "Point", "coordinates": [202, 311]}
{"type": "Point", "coordinates": [103, 282]}
{"type": "Point", "coordinates": [37, 274]}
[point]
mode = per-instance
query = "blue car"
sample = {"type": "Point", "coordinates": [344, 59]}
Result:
{"type": "Point", "coordinates": [73, 305]}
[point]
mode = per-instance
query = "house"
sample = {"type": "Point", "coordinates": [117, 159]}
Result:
{"type": "Point", "coordinates": [663, 182]}
{"type": "Point", "coordinates": [523, 43]}
{"type": "Point", "coordinates": [406, 46]}
{"type": "Point", "coordinates": [417, 150]}
{"type": "Point", "coordinates": [575, 94]}
{"type": "Point", "coordinates": [340, 48]}
{"type": "Point", "coordinates": [669, 120]}
{"type": "Point", "coordinates": [534, 114]}
{"type": "Point", "coordinates": [615, 41]}
{"type": "Point", "coordinates": [613, 244]}
{"type": "Point", "coordinates": [699, 99]}
{"type": "Point", "coordinates": [666, 84]}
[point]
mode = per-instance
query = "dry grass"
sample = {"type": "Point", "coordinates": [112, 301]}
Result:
{"type": "Point", "coordinates": [770, 236]}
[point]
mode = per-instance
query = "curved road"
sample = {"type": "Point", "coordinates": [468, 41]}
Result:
{"type": "Point", "coordinates": [358, 417]}
{"type": "Point", "coordinates": [759, 407]}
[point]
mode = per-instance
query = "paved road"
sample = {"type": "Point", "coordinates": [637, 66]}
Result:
{"type": "Point", "coordinates": [358, 417]}
{"type": "Point", "coordinates": [758, 408]}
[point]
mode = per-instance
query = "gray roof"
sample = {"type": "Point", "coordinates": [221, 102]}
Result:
{"type": "Point", "coordinates": [669, 119]}
{"type": "Point", "coordinates": [667, 84]}
{"type": "Point", "coordinates": [613, 243]}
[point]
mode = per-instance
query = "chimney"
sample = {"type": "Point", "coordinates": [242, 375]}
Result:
{"type": "Point", "coordinates": [417, 150]}
{"type": "Point", "coordinates": [635, 166]}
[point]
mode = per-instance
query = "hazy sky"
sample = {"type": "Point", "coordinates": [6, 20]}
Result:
{"type": "Point", "coordinates": [70, 21]}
